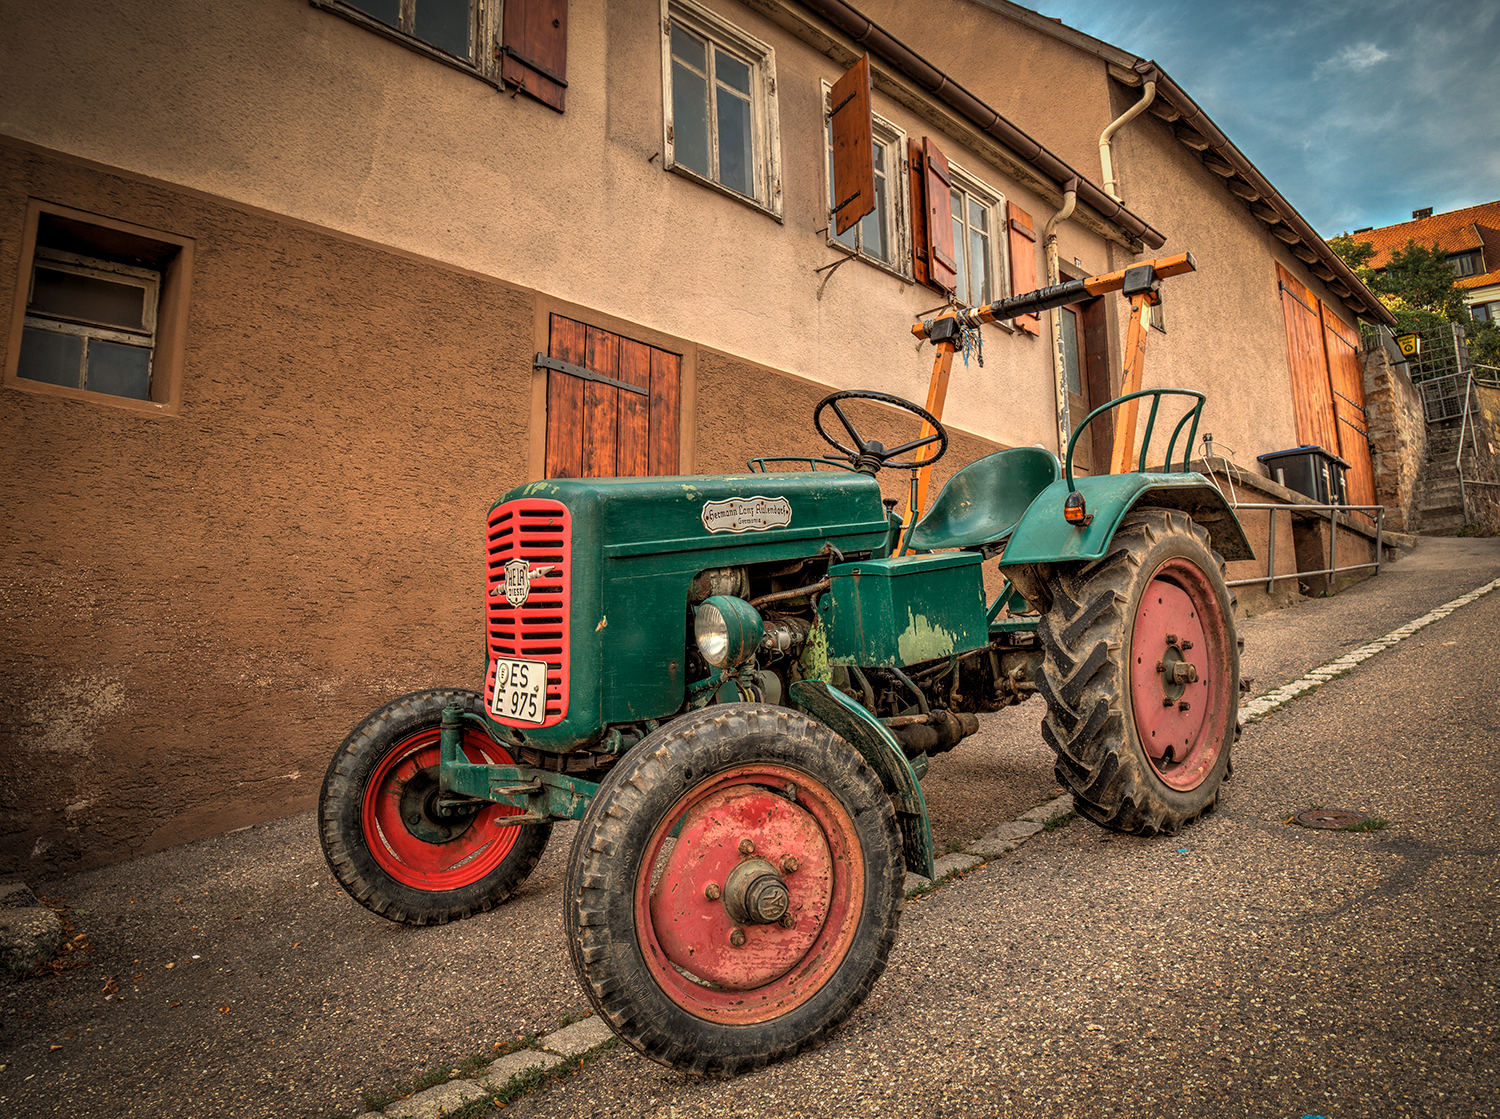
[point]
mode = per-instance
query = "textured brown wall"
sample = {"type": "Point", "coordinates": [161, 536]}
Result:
{"type": "Point", "coordinates": [197, 608]}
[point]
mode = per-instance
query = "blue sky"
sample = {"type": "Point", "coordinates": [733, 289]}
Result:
{"type": "Point", "coordinates": [1357, 111]}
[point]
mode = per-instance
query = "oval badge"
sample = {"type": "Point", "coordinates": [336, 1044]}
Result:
{"type": "Point", "coordinates": [747, 514]}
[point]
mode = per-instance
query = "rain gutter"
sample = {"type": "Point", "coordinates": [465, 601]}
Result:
{"type": "Point", "coordinates": [902, 59]}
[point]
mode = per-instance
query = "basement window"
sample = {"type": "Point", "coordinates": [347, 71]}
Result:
{"type": "Point", "coordinates": [102, 310]}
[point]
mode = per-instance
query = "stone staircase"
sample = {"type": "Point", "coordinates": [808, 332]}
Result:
{"type": "Point", "coordinates": [1440, 509]}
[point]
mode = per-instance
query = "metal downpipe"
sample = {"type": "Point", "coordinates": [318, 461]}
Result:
{"type": "Point", "coordinates": [1059, 367]}
{"type": "Point", "coordinates": [1106, 158]}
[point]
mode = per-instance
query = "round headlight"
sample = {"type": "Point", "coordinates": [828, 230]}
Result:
{"type": "Point", "coordinates": [727, 629]}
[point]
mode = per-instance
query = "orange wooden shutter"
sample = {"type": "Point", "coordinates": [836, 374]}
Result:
{"type": "Point", "coordinates": [937, 185]}
{"type": "Point", "coordinates": [534, 47]}
{"type": "Point", "coordinates": [1022, 238]}
{"type": "Point", "coordinates": [853, 129]}
{"type": "Point", "coordinates": [601, 428]}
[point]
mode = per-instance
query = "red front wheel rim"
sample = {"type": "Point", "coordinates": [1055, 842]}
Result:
{"type": "Point", "coordinates": [711, 961]}
{"type": "Point", "coordinates": [414, 845]}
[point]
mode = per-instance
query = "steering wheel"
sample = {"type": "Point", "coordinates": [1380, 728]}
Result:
{"type": "Point", "coordinates": [869, 455]}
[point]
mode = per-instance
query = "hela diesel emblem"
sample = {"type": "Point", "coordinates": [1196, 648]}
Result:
{"type": "Point", "coordinates": [747, 514]}
{"type": "Point", "coordinates": [518, 577]}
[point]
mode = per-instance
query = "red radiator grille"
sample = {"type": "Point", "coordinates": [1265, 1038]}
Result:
{"type": "Point", "coordinates": [538, 532]}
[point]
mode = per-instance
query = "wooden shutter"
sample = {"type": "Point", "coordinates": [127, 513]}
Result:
{"type": "Point", "coordinates": [932, 217]}
{"type": "Point", "coordinates": [534, 49]}
{"type": "Point", "coordinates": [596, 429]}
{"type": "Point", "coordinates": [853, 129]}
{"type": "Point", "coordinates": [916, 173]}
{"type": "Point", "coordinates": [1022, 238]}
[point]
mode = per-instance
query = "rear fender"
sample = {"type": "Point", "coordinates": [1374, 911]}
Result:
{"type": "Point", "coordinates": [1044, 537]}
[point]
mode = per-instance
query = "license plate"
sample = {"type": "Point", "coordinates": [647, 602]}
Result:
{"type": "Point", "coordinates": [520, 691]}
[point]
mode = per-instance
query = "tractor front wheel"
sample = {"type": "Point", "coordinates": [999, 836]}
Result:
{"type": "Point", "coordinates": [382, 833]}
{"type": "Point", "coordinates": [734, 891]}
{"type": "Point", "coordinates": [1141, 676]}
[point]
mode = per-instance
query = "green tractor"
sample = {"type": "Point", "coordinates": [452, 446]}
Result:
{"type": "Point", "coordinates": [736, 683]}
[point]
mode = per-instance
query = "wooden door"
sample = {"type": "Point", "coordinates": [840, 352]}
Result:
{"type": "Point", "coordinates": [622, 419]}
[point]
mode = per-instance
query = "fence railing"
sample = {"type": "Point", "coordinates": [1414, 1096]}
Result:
{"type": "Point", "coordinates": [1270, 579]}
{"type": "Point", "coordinates": [1458, 460]}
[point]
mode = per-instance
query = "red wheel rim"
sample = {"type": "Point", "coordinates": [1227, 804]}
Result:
{"type": "Point", "coordinates": [1181, 674]}
{"type": "Point", "coordinates": [415, 847]}
{"type": "Point", "coordinates": [734, 971]}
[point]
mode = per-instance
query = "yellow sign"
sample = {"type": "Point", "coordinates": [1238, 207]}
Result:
{"type": "Point", "coordinates": [1411, 344]}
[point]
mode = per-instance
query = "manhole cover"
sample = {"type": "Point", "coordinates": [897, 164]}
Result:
{"type": "Point", "coordinates": [1330, 818]}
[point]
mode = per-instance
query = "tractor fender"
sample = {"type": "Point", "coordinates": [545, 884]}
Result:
{"type": "Point", "coordinates": [867, 734]}
{"type": "Point", "coordinates": [1044, 537]}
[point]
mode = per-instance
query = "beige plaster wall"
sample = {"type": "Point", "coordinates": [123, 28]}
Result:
{"type": "Point", "coordinates": [283, 106]}
{"type": "Point", "coordinates": [1225, 336]}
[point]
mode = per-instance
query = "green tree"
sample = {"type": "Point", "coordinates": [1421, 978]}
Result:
{"type": "Point", "coordinates": [1418, 286]}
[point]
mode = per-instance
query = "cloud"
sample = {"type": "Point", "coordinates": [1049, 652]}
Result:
{"type": "Point", "coordinates": [1357, 58]}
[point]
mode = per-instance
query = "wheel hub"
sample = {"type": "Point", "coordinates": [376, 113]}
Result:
{"type": "Point", "coordinates": [754, 894]}
{"type": "Point", "coordinates": [419, 810]}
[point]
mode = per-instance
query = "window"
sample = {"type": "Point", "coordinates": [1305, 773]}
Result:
{"type": "Point", "coordinates": [1464, 264]}
{"type": "Point", "coordinates": [90, 324]}
{"type": "Point", "coordinates": [879, 235]}
{"type": "Point", "coordinates": [956, 229]}
{"type": "Point", "coordinates": [1485, 312]}
{"type": "Point", "coordinates": [101, 310]}
{"type": "Point", "coordinates": [720, 106]}
{"type": "Point", "coordinates": [530, 43]}
{"type": "Point", "coordinates": [974, 222]}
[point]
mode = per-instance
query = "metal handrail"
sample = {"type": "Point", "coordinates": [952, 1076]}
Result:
{"type": "Point", "coordinates": [1194, 414]}
{"type": "Point", "coordinates": [1333, 568]}
{"type": "Point", "coordinates": [1458, 459]}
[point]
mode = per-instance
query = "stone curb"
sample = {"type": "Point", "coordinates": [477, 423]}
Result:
{"type": "Point", "coordinates": [547, 1053]}
{"type": "Point", "coordinates": [1261, 706]}
{"type": "Point", "coordinates": [30, 934]}
{"type": "Point", "coordinates": [992, 844]}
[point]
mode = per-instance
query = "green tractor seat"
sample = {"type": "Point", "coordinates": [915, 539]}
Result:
{"type": "Point", "coordinates": [983, 502]}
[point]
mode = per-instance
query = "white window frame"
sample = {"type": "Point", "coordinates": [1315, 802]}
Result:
{"type": "Point", "coordinates": [897, 194]}
{"type": "Point", "coordinates": [999, 255]}
{"type": "Point", "coordinates": [765, 133]}
{"type": "Point", "coordinates": [89, 329]}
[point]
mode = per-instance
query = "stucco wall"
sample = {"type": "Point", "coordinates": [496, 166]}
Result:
{"type": "Point", "coordinates": [198, 607]}
{"type": "Point", "coordinates": [285, 107]}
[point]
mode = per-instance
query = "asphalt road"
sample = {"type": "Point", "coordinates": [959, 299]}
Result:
{"type": "Point", "coordinates": [1247, 967]}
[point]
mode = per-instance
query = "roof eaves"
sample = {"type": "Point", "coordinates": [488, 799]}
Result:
{"type": "Point", "coordinates": [1196, 131]}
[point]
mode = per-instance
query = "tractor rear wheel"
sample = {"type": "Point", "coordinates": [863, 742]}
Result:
{"type": "Point", "coordinates": [734, 891]}
{"type": "Point", "coordinates": [1141, 676]}
{"type": "Point", "coordinates": [382, 836]}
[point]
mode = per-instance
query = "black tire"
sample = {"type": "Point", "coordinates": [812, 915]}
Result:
{"type": "Point", "coordinates": [387, 851]}
{"type": "Point", "coordinates": [639, 908]}
{"type": "Point", "coordinates": [1142, 747]}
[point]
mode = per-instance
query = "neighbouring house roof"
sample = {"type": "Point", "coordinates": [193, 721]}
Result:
{"type": "Point", "coordinates": [1473, 227]}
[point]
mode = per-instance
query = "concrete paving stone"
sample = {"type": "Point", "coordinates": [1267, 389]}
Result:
{"type": "Point", "coordinates": [499, 1074]}
{"type": "Point", "coordinates": [579, 1038]}
{"type": "Point", "coordinates": [436, 1102]}
{"type": "Point", "coordinates": [957, 861]}
{"type": "Point", "coordinates": [1006, 837]}
{"type": "Point", "coordinates": [1051, 810]}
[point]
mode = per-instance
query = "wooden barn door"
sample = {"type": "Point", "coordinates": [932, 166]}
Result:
{"type": "Point", "coordinates": [1328, 394]}
{"type": "Point", "coordinates": [614, 408]}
